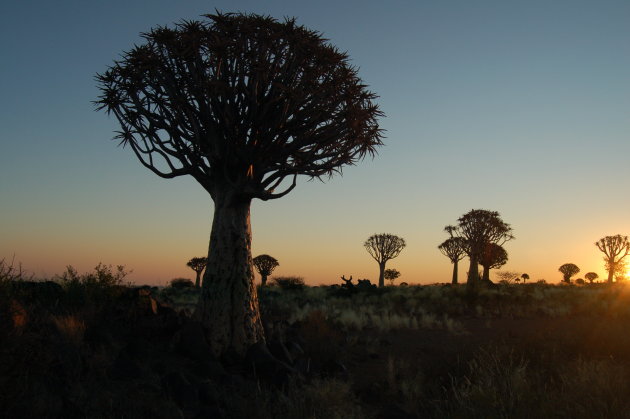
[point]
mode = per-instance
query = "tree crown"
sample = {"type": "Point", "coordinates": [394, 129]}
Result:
{"type": "Point", "coordinates": [453, 248]}
{"type": "Point", "coordinates": [493, 256]}
{"type": "Point", "coordinates": [197, 264]}
{"type": "Point", "coordinates": [479, 227]}
{"type": "Point", "coordinates": [568, 270]}
{"type": "Point", "coordinates": [615, 248]}
{"type": "Point", "coordinates": [265, 264]}
{"type": "Point", "coordinates": [383, 247]}
{"type": "Point", "coordinates": [241, 100]}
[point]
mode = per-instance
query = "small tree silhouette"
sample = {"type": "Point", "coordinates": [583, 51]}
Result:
{"type": "Point", "coordinates": [453, 248]}
{"type": "Point", "coordinates": [524, 277]}
{"type": "Point", "coordinates": [492, 257]}
{"type": "Point", "coordinates": [507, 277]}
{"type": "Point", "coordinates": [391, 275]}
{"type": "Point", "coordinates": [197, 264]}
{"type": "Point", "coordinates": [615, 248]}
{"type": "Point", "coordinates": [244, 104]}
{"type": "Point", "coordinates": [568, 270]}
{"type": "Point", "coordinates": [591, 276]}
{"type": "Point", "coordinates": [383, 247]}
{"type": "Point", "coordinates": [265, 265]}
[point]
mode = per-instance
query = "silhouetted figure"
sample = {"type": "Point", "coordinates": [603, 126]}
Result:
{"type": "Point", "coordinates": [265, 265]}
{"type": "Point", "coordinates": [244, 104]}
{"type": "Point", "coordinates": [383, 247]}
{"type": "Point", "coordinates": [615, 248]}
{"type": "Point", "coordinates": [568, 270]}
{"type": "Point", "coordinates": [197, 264]}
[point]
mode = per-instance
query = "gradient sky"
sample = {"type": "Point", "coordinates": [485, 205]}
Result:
{"type": "Point", "coordinates": [519, 107]}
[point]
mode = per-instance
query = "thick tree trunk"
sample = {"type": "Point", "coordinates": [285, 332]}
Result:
{"type": "Point", "coordinates": [263, 280]}
{"type": "Point", "coordinates": [381, 274]}
{"type": "Point", "coordinates": [611, 273]}
{"type": "Point", "coordinates": [228, 306]}
{"type": "Point", "coordinates": [198, 279]}
{"type": "Point", "coordinates": [486, 274]}
{"type": "Point", "coordinates": [454, 280]}
{"type": "Point", "coordinates": [473, 273]}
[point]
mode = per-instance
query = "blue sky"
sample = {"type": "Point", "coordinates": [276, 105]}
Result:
{"type": "Point", "coordinates": [519, 107]}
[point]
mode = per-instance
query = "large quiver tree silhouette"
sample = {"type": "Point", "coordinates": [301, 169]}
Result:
{"type": "Point", "coordinates": [265, 265]}
{"type": "Point", "coordinates": [197, 264]}
{"type": "Point", "coordinates": [615, 249]}
{"type": "Point", "coordinates": [453, 248]}
{"type": "Point", "coordinates": [243, 104]}
{"type": "Point", "coordinates": [478, 228]}
{"type": "Point", "coordinates": [383, 247]}
{"type": "Point", "coordinates": [568, 270]}
{"type": "Point", "coordinates": [493, 256]}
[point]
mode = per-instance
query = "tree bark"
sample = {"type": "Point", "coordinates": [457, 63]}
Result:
{"type": "Point", "coordinates": [611, 272]}
{"type": "Point", "coordinates": [198, 279]}
{"type": "Point", "coordinates": [454, 280]}
{"type": "Point", "coordinates": [486, 274]}
{"type": "Point", "coordinates": [263, 280]}
{"type": "Point", "coordinates": [381, 275]}
{"type": "Point", "coordinates": [228, 306]}
{"type": "Point", "coordinates": [473, 273]}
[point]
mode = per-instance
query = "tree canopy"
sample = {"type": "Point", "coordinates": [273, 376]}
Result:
{"type": "Point", "coordinates": [383, 247]}
{"type": "Point", "coordinates": [615, 249]}
{"type": "Point", "coordinates": [265, 265]}
{"type": "Point", "coordinates": [244, 104]}
{"type": "Point", "coordinates": [568, 270]}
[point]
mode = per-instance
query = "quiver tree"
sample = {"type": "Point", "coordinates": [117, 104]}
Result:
{"type": "Point", "coordinates": [383, 247]}
{"type": "Point", "coordinates": [492, 257]}
{"type": "Point", "coordinates": [391, 275]}
{"type": "Point", "coordinates": [197, 264]}
{"type": "Point", "coordinates": [591, 276]}
{"type": "Point", "coordinates": [568, 270]}
{"type": "Point", "coordinates": [524, 277]}
{"type": "Point", "coordinates": [453, 248]}
{"type": "Point", "coordinates": [478, 228]}
{"type": "Point", "coordinates": [615, 248]}
{"type": "Point", "coordinates": [244, 104]}
{"type": "Point", "coordinates": [265, 265]}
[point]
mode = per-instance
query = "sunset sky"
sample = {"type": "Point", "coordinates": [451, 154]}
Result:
{"type": "Point", "coordinates": [519, 107]}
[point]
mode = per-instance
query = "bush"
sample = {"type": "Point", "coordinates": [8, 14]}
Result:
{"type": "Point", "coordinates": [288, 282]}
{"type": "Point", "coordinates": [180, 283]}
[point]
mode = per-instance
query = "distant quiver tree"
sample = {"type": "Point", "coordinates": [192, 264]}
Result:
{"type": "Point", "coordinates": [492, 257]}
{"type": "Point", "coordinates": [615, 249]}
{"type": "Point", "coordinates": [197, 264]}
{"type": "Point", "coordinates": [453, 248]}
{"type": "Point", "coordinates": [568, 270]}
{"type": "Point", "coordinates": [391, 275]}
{"type": "Point", "coordinates": [591, 276]}
{"type": "Point", "coordinates": [383, 247]}
{"type": "Point", "coordinates": [265, 265]}
{"type": "Point", "coordinates": [244, 104]}
{"type": "Point", "coordinates": [478, 228]}
{"type": "Point", "coordinates": [524, 277]}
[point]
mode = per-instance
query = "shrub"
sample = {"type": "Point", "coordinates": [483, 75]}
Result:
{"type": "Point", "coordinates": [289, 282]}
{"type": "Point", "coordinates": [181, 283]}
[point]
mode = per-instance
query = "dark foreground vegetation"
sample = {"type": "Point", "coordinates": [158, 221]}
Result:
{"type": "Point", "coordinates": [88, 346]}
